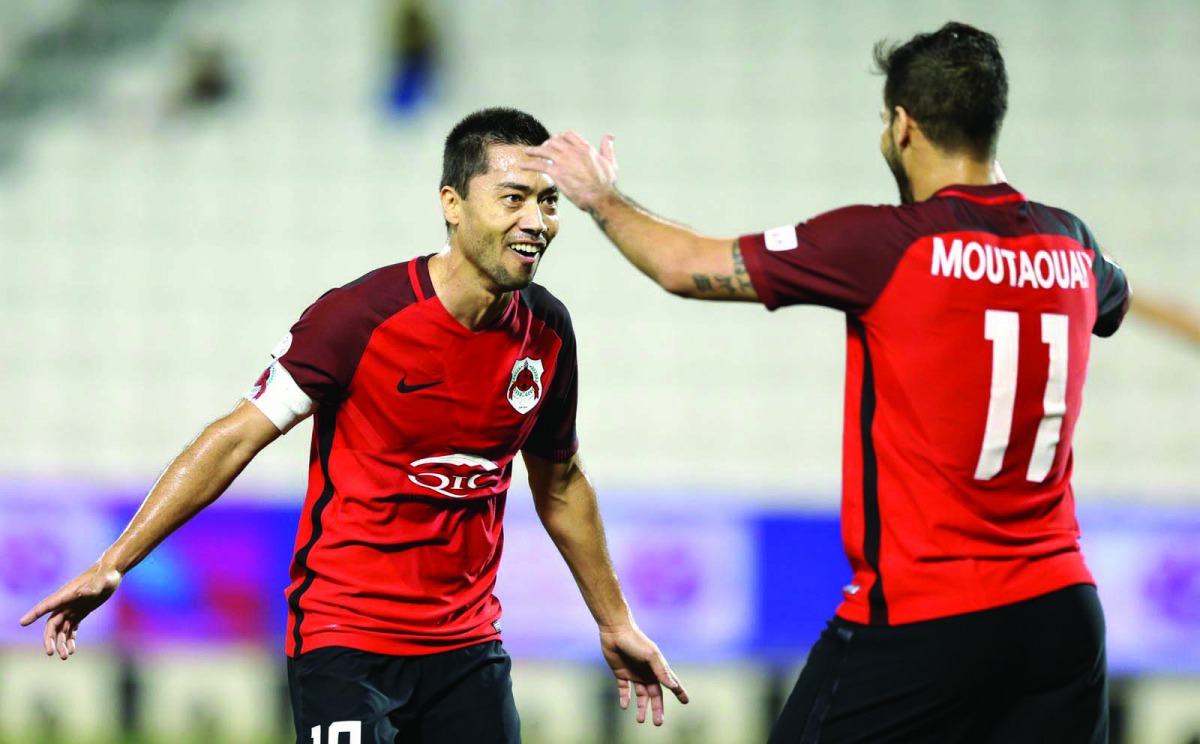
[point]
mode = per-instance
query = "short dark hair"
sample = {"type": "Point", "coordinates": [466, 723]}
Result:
{"type": "Point", "coordinates": [466, 151]}
{"type": "Point", "coordinates": [952, 82]}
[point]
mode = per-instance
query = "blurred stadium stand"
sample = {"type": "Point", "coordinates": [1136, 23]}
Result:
{"type": "Point", "coordinates": [152, 253]}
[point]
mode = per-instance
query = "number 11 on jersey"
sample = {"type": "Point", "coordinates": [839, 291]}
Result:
{"type": "Point", "coordinates": [1002, 328]}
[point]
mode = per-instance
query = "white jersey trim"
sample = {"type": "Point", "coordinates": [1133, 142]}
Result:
{"type": "Point", "coordinates": [280, 398]}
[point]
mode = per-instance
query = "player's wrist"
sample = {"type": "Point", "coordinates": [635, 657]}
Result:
{"type": "Point", "coordinates": [603, 203]}
{"type": "Point", "coordinates": [112, 564]}
{"type": "Point", "coordinates": [617, 624]}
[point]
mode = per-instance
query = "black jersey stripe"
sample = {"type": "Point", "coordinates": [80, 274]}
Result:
{"type": "Point", "coordinates": [326, 420]}
{"type": "Point", "coordinates": [872, 524]}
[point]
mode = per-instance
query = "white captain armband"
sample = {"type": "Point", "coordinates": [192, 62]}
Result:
{"type": "Point", "coordinates": [278, 396]}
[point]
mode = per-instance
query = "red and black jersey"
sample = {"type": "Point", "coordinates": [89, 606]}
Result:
{"type": "Point", "coordinates": [969, 319]}
{"type": "Point", "coordinates": [417, 421]}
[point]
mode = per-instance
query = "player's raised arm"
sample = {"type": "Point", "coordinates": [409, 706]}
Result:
{"type": "Point", "coordinates": [680, 260]}
{"type": "Point", "coordinates": [191, 482]}
{"type": "Point", "coordinates": [566, 504]}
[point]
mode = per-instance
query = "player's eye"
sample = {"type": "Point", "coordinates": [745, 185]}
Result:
{"type": "Point", "coordinates": [551, 201]}
{"type": "Point", "coordinates": [512, 199]}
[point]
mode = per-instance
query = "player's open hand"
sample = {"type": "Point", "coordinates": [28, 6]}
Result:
{"type": "Point", "coordinates": [70, 605]}
{"type": "Point", "coordinates": [583, 175]}
{"type": "Point", "coordinates": [638, 664]}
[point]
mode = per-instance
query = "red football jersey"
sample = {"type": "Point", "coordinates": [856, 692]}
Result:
{"type": "Point", "coordinates": [417, 421]}
{"type": "Point", "coordinates": [969, 321]}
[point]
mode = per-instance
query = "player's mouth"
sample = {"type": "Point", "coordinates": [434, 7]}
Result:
{"type": "Point", "coordinates": [527, 251]}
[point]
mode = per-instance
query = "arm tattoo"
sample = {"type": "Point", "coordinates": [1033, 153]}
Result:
{"type": "Point", "coordinates": [600, 221]}
{"type": "Point", "coordinates": [737, 284]}
{"type": "Point", "coordinates": [740, 275]}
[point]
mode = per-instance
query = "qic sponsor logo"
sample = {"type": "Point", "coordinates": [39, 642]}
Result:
{"type": "Point", "coordinates": [455, 476]}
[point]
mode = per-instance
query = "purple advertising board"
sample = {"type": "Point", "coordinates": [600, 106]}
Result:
{"type": "Point", "coordinates": [707, 583]}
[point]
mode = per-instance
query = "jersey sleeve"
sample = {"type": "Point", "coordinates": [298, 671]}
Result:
{"type": "Point", "coordinates": [326, 344]}
{"type": "Point", "coordinates": [554, 436]}
{"type": "Point", "coordinates": [841, 259]}
{"type": "Point", "coordinates": [1113, 295]}
{"type": "Point", "coordinates": [315, 361]}
{"type": "Point", "coordinates": [278, 396]}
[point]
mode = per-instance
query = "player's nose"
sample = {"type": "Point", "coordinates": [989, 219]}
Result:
{"type": "Point", "coordinates": [533, 220]}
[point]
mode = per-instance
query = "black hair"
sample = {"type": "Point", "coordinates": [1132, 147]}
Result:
{"type": "Point", "coordinates": [952, 82]}
{"type": "Point", "coordinates": [466, 153]}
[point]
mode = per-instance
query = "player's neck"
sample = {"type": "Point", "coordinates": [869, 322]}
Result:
{"type": "Point", "coordinates": [463, 294]}
{"type": "Point", "coordinates": [933, 172]}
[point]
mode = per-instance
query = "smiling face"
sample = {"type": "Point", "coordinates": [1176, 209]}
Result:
{"type": "Point", "coordinates": [506, 222]}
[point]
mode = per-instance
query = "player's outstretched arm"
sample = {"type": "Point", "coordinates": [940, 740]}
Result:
{"type": "Point", "coordinates": [566, 504]}
{"type": "Point", "coordinates": [191, 482]}
{"type": "Point", "coordinates": [680, 260]}
{"type": "Point", "coordinates": [1170, 315]}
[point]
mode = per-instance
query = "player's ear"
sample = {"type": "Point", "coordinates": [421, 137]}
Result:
{"type": "Point", "coordinates": [902, 127]}
{"type": "Point", "coordinates": [451, 205]}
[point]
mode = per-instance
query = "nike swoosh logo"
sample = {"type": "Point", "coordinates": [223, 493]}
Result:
{"type": "Point", "coordinates": [403, 387]}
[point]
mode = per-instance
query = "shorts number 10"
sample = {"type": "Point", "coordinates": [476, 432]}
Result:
{"type": "Point", "coordinates": [353, 730]}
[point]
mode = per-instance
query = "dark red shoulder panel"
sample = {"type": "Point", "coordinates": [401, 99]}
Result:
{"type": "Point", "coordinates": [328, 340]}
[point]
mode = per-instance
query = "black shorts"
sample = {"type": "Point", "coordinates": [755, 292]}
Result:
{"type": "Point", "coordinates": [1029, 672]}
{"type": "Point", "coordinates": [345, 696]}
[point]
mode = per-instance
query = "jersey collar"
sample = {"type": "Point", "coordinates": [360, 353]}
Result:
{"type": "Point", "coordinates": [997, 193]}
{"type": "Point", "coordinates": [418, 273]}
{"type": "Point", "coordinates": [422, 283]}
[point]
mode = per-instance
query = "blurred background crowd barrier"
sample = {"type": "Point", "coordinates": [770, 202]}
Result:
{"type": "Point", "coordinates": [179, 179]}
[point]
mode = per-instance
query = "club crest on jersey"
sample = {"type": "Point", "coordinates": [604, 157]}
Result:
{"type": "Point", "coordinates": [260, 386]}
{"type": "Point", "coordinates": [525, 388]}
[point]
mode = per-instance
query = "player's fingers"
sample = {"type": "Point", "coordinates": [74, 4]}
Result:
{"type": "Point", "coordinates": [48, 604]}
{"type": "Point", "coordinates": [60, 644]}
{"type": "Point", "coordinates": [54, 625]}
{"type": "Point", "coordinates": [546, 154]}
{"type": "Point", "coordinates": [656, 702]}
{"type": "Point", "coordinates": [48, 634]}
{"type": "Point", "coordinates": [677, 689]}
{"type": "Point", "coordinates": [32, 615]}
{"type": "Point", "coordinates": [557, 149]}
{"type": "Point", "coordinates": [576, 139]}
{"type": "Point", "coordinates": [548, 149]}
{"type": "Point", "coordinates": [662, 670]}
{"type": "Point", "coordinates": [559, 142]}
{"type": "Point", "coordinates": [538, 165]}
{"type": "Point", "coordinates": [643, 698]}
{"type": "Point", "coordinates": [606, 149]}
{"type": "Point", "coordinates": [66, 631]}
{"type": "Point", "coordinates": [71, 641]}
{"type": "Point", "coordinates": [623, 693]}
{"type": "Point", "coordinates": [564, 150]}
{"type": "Point", "coordinates": [539, 159]}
